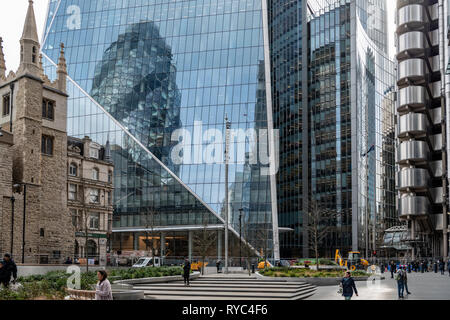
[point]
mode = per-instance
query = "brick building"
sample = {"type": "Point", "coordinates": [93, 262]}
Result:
{"type": "Point", "coordinates": [33, 117]}
{"type": "Point", "coordinates": [90, 197]}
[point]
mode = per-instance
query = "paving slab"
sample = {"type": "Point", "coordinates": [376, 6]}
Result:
{"type": "Point", "coordinates": [423, 286]}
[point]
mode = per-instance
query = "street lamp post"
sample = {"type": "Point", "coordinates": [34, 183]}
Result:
{"type": "Point", "coordinates": [240, 237]}
{"type": "Point", "coordinates": [17, 186]}
{"type": "Point", "coordinates": [227, 142]}
{"type": "Point", "coordinates": [24, 221]}
{"type": "Point", "coordinates": [13, 200]}
{"type": "Point", "coordinates": [11, 105]}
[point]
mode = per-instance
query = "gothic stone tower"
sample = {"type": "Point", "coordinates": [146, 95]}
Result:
{"type": "Point", "coordinates": [37, 109]}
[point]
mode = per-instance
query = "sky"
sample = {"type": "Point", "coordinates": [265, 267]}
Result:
{"type": "Point", "coordinates": [12, 17]}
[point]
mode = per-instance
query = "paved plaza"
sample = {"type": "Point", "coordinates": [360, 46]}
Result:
{"type": "Point", "coordinates": [423, 286]}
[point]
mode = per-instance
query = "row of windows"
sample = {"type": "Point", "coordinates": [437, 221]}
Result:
{"type": "Point", "coordinates": [93, 220]}
{"type": "Point", "coordinates": [48, 107]}
{"type": "Point", "coordinates": [73, 171]}
{"type": "Point", "coordinates": [94, 194]}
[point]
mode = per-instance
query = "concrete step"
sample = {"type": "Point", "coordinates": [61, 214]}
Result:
{"type": "Point", "coordinates": [214, 290]}
{"type": "Point", "coordinates": [213, 295]}
{"type": "Point", "coordinates": [195, 284]}
{"type": "Point", "coordinates": [280, 283]}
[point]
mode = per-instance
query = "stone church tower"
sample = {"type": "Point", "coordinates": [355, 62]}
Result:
{"type": "Point", "coordinates": [37, 109]}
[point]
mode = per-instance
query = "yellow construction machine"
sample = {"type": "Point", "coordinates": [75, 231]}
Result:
{"type": "Point", "coordinates": [354, 261]}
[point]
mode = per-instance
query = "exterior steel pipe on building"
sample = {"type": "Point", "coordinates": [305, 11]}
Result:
{"type": "Point", "coordinates": [413, 207]}
{"type": "Point", "coordinates": [413, 97]}
{"type": "Point", "coordinates": [412, 151]}
{"type": "Point", "coordinates": [416, 179]}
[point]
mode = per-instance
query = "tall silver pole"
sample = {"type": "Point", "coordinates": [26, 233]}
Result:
{"type": "Point", "coordinates": [227, 146]}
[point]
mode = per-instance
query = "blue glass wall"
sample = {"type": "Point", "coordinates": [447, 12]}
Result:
{"type": "Point", "coordinates": [139, 70]}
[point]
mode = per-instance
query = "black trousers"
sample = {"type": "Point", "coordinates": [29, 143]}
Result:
{"type": "Point", "coordinates": [186, 278]}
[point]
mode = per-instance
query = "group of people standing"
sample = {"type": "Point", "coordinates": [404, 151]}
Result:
{"type": "Point", "coordinates": [421, 266]}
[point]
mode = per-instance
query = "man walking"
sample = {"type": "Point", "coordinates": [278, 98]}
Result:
{"type": "Point", "coordinates": [348, 286]}
{"type": "Point", "coordinates": [218, 263]}
{"type": "Point", "coordinates": [399, 277]}
{"type": "Point", "coordinates": [10, 269]}
{"type": "Point", "coordinates": [442, 267]}
{"type": "Point", "coordinates": [392, 266]}
{"type": "Point", "coordinates": [186, 271]}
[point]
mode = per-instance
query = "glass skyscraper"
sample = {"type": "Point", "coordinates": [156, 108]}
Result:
{"type": "Point", "coordinates": [351, 101]}
{"type": "Point", "coordinates": [143, 71]}
{"type": "Point", "coordinates": [140, 72]}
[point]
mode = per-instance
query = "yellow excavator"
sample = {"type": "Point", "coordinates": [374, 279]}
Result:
{"type": "Point", "coordinates": [354, 261]}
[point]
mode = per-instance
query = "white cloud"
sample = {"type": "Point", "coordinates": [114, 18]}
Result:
{"type": "Point", "coordinates": [12, 18]}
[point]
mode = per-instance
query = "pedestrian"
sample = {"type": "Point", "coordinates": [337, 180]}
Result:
{"type": "Point", "coordinates": [399, 277]}
{"type": "Point", "coordinates": [448, 266]}
{"type": "Point", "coordinates": [68, 261]}
{"type": "Point", "coordinates": [393, 269]}
{"type": "Point", "coordinates": [10, 269]}
{"type": "Point", "coordinates": [3, 275]}
{"type": "Point", "coordinates": [405, 280]}
{"type": "Point", "coordinates": [103, 289]}
{"type": "Point", "coordinates": [348, 286]}
{"type": "Point", "coordinates": [186, 271]}
{"type": "Point", "coordinates": [218, 265]}
{"type": "Point", "coordinates": [442, 267]}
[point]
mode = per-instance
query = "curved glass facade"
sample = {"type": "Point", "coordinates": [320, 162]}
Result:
{"type": "Point", "coordinates": [142, 71]}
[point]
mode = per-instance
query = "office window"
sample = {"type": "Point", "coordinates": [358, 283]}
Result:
{"type": "Point", "coordinates": [47, 145]}
{"type": "Point", "coordinates": [48, 109]}
{"type": "Point", "coordinates": [6, 105]}
{"type": "Point", "coordinates": [94, 194]}
{"type": "Point", "coordinates": [75, 217]}
{"type": "Point", "coordinates": [72, 192]}
{"type": "Point", "coordinates": [73, 170]}
{"type": "Point", "coordinates": [109, 197]}
{"type": "Point", "coordinates": [94, 221]}
{"type": "Point", "coordinates": [95, 174]}
{"type": "Point", "coordinates": [93, 153]}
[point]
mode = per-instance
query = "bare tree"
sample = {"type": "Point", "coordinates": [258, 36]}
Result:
{"type": "Point", "coordinates": [320, 223]}
{"type": "Point", "coordinates": [149, 224]}
{"type": "Point", "coordinates": [262, 237]}
{"type": "Point", "coordinates": [247, 251]}
{"type": "Point", "coordinates": [204, 239]}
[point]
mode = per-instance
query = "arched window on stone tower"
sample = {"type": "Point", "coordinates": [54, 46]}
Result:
{"type": "Point", "coordinates": [33, 57]}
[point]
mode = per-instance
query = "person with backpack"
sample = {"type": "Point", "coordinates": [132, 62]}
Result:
{"type": "Point", "coordinates": [400, 278]}
{"type": "Point", "coordinates": [348, 286]}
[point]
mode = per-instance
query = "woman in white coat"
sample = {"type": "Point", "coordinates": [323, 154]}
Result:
{"type": "Point", "coordinates": [103, 289]}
